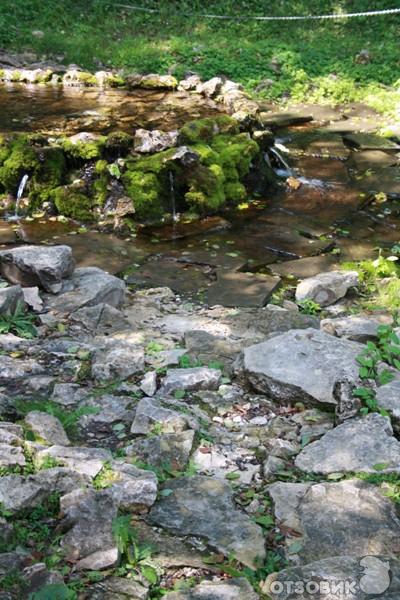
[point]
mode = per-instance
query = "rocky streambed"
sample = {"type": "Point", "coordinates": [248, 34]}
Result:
{"type": "Point", "coordinates": [153, 446]}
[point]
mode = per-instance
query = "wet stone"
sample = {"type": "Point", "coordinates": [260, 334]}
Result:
{"type": "Point", "coordinates": [241, 289]}
{"type": "Point", "coordinates": [369, 141]}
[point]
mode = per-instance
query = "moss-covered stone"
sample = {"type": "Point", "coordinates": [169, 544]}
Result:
{"type": "Point", "coordinates": [118, 144]}
{"type": "Point", "coordinates": [49, 175]}
{"type": "Point", "coordinates": [20, 160]}
{"type": "Point", "coordinates": [71, 202]}
{"type": "Point", "coordinates": [145, 190]}
{"type": "Point", "coordinates": [84, 150]}
{"type": "Point", "coordinates": [100, 184]}
{"type": "Point", "coordinates": [204, 130]}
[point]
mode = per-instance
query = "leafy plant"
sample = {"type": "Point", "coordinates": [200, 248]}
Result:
{"type": "Point", "coordinates": [69, 419]}
{"type": "Point", "coordinates": [54, 591]}
{"type": "Point", "coordinates": [135, 557]}
{"type": "Point", "coordinates": [309, 307]}
{"type": "Point", "coordinates": [20, 323]}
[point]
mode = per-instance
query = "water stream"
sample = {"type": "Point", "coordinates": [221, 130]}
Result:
{"type": "Point", "coordinates": [20, 192]}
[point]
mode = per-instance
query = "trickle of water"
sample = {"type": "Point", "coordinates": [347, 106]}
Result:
{"type": "Point", "coordinates": [173, 199]}
{"type": "Point", "coordinates": [286, 170]}
{"type": "Point", "coordinates": [20, 192]}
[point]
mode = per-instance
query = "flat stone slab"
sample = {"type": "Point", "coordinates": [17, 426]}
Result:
{"type": "Point", "coordinates": [43, 266]}
{"type": "Point", "coordinates": [14, 369]}
{"type": "Point", "coordinates": [203, 506]}
{"type": "Point", "coordinates": [235, 589]}
{"type": "Point", "coordinates": [338, 578]}
{"type": "Point", "coordinates": [357, 328]}
{"type": "Point", "coordinates": [306, 267]}
{"type": "Point", "coordinates": [284, 119]}
{"type": "Point", "coordinates": [350, 517]}
{"type": "Point", "coordinates": [193, 379]}
{"type": "Point", "coordinates": [369, 141]}
{"type": "Point", "coordinates": [241, 289]}
{"type": "Point", "coordinates": [86, 461]}
{"type": "Point", "coordinates": [301, 366]}
{"type": "Point", "coordinates": [326, 288]}
{"type": "Point", "coordinates": [358, 445]}
{"type": "Point", "coordinates": [371, 159]}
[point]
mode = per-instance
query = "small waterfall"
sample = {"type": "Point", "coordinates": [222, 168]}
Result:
{"type": "Point", "coordinates": [172, 194]}
{"type": "Point", "coordinates": [20, 192]}
{"type": "Point", "coordinates": [285, 170]}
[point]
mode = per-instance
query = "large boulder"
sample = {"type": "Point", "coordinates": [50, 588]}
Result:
{"type": "Point", "coordinates": [358, 445]}
{"type": "Point", "coordinates": [44, 266]}
{"type": "Point", "coordinates": [302, 366]}
{"type": "Point", "coordinates": [204, 507]}
{"type": "Point", "coordinates": [350, 517]}
{"type": "Point", "coordinates": [326, 288]}
{"type": "Point", "coordinates": [88, 286]}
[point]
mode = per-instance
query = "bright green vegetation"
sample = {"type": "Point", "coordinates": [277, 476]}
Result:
{"type": "Point", "coordinates": [20, 323]}
{"type": "Point", "coordinates": [220, 158]}
{"type": "Point", "coordinates": [379, 282]}
{"type": "Point", "coordinates": [134, 557]}
{"type": "Point", "coordinates": [310, 60]}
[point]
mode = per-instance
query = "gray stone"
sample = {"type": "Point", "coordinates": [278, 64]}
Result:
{"type": "Point", "coordinates": [101, 319]}
{"type": "Point", "coordinates": [148, 385]}
{"type": "Point", "coordinates": [191, 380]}
{"type": "Point", "coordinates": [43, 266]}
{"type": "Point", "coordinates": [154, 141]}
{"type": "Point", "coordinates": [203, 506]}
{"type": "Point", "coordinates": [207, 347]}
{"type": "Point", "coordinates": [272, 465]}
{"type": "Point", "coordinates": [172, 449]}
{"type": "Point", "coordinates": [117, 360]}
{"type": "Point", "coordinates": [326, 288]}
{"type": "Point", "coordinates": [90, 540]}
{"type": "Point", "coordinates": [6, 531]}
{"type": "Point", "coordinates": [357, 328]}
{"type": "Point", "coordinates": [10, 298]}
{"type": "Point", "coordinates": [117, 588]}
{"type": "Point", "coordinates": [350, 517]}
{"type": "Point", "coordinates": [15, 369]}
{"type": "Point", "coordinates": [388, 397]}
{"type": "Point", "coordinates": [283, 119]}
{"type": "Point", "coordinates": [363, 444]}
{"type": "Point", "coordinates": [234, 589]}
{"type": "Point", "coordinates": [89, 286]}
{"type": "Point", "coordinates": [60, 479]}
{"type": "Point", "coordinates": [108, 411]}
{"type": "Point", "coordinates": [369, 141]}
{"type": "Point", "coordinates": [150, 412]}
{"type": "Point", "coordinates": [189, 84]}
{"type": "Point", "coordinates": [17, 493]}
{"type": "Point", "coordinates": [33, 298]}
{"type": "Point", "coordinates": [210, 88]}
{"type": "Point", "coordinates": [302, 365]}
{"type": "Point", "coordinates": [234, 289]}
{"type": "Point", "coordinates": [87, 461]}
{"type": "Point", "coordinates": [68, 394]}
{"type": "Point", "coordinates": [334, 573]}
{"type": "Point", "coordinates": [11, 456]}
{"type": "Point", "coordinates": [47, 427]}
{"type": "Point", "coordinates": [134, 489]}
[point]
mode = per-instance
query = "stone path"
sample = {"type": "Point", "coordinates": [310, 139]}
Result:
{"type": "Point", "coordinates": [151, 446]}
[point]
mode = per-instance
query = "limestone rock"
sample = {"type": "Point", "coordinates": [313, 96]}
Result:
{"type": "Point", "coordinates": [32, 298]}
{"type": "Point", "coordinates": [11, 456]}
{"type": "Point", "coordinates": [44, 266]}
{"type": "Point", "coordinates": [154, 141]}
{"type": "Point", "coordinates": [151, 412]}
{"type": "Point", "coordinates": [234, 589]}
{"type": "Point", "coordinates": [47, 427]}
{"type": "Point", "coordinates": [148, 385]}
{"type": "Point", "coordinates": [117, 360]}
{"type": "Point", "coordinates": [172, 449]}
{"type": "Point", "coordinates": [203, 506]}
{"type": "Point", "coordinates": [326, 288]}
{"type": "Point", "coordinates": [87, 461]}
{"type": "Point", "coordinates": [357, 328]}
{"type": "Point", "coordinates": [10, 298]}
{"type": "Point", "coordinates": [194, 379]}
{"type": "Point", "coordinates": [17, 493]}
{"type": "Point", "coordinates": [90, 540]}
{"type": "Point", "coordinates": [302, 366]}
{"type": "Point", "coordinates": [117, 588]}
{"type": "Point", "coordinates": [388, 397]}
{"type": "Point", "coordinates": [88, 286]}
{"type": "Point", "coordinates": [210, 88]}
{"type": "Point", "coordinates": [364, 444]}
{"type": "Point", "coordinates": [101, 319]}
{"type": "Point", "coordinates": [134, 489]}
{"type": "Point", "coordinates": [15, 369]}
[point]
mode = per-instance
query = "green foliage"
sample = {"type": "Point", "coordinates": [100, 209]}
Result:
{"type": "Point", "coordinates": [20, 323]}
{"type": "Point", "coordinates": [375, 292]}
{"type": "Point", "coordinates": [68, 418]}
{"type": "Point", "coordinates": [309, 307]}
{"type": "Point", "coordinates": [71, 202]}
{"type": "Point", "coordinates": [21, 160]}
{"type": "Point", "coordinates": [54, 591]}
{"type": "Point", "coordinates": [135, 557]}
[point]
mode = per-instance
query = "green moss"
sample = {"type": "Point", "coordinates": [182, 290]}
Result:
{"type": "Point", "coordinates": [100, 185]}
{"type": "Point", "coordinates": [118, 143]}
{"type": "Point", "coordinates": [235, 192]}
{"type": "Point", "coordinates": [145, 191]}
{"type": "Point", "coordinates": [49, 175]}
{"type": "Point", "coordinates": [5, 149]}
{"type": "Point", "coordinates": [21, 159]}
{"type": "Point", "coordinates": [71, 202]}
{"type": "Point", "coordinates": [81, 150]}
{"type": "Point", "coordinates": [236, 152]}
{"type": "Point", "coordinates": [155, 82]}
{"type": "Point", "coordinates": [206, 188]}
{"type": "Point", "coordinates": [204, 130]}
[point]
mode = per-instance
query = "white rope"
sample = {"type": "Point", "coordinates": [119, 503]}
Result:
{"type": "Point", "coordinates": [370, 13]}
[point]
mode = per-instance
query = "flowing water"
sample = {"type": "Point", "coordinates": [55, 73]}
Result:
{"type": "Point", "coordinates": [329, 217]}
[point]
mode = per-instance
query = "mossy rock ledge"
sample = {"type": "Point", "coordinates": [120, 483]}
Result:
{"type": "Point", "coordinates": [82, 177]}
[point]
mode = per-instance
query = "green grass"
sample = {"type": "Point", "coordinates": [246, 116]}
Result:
{"type": "Point", "coordinates": [317, 59]}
